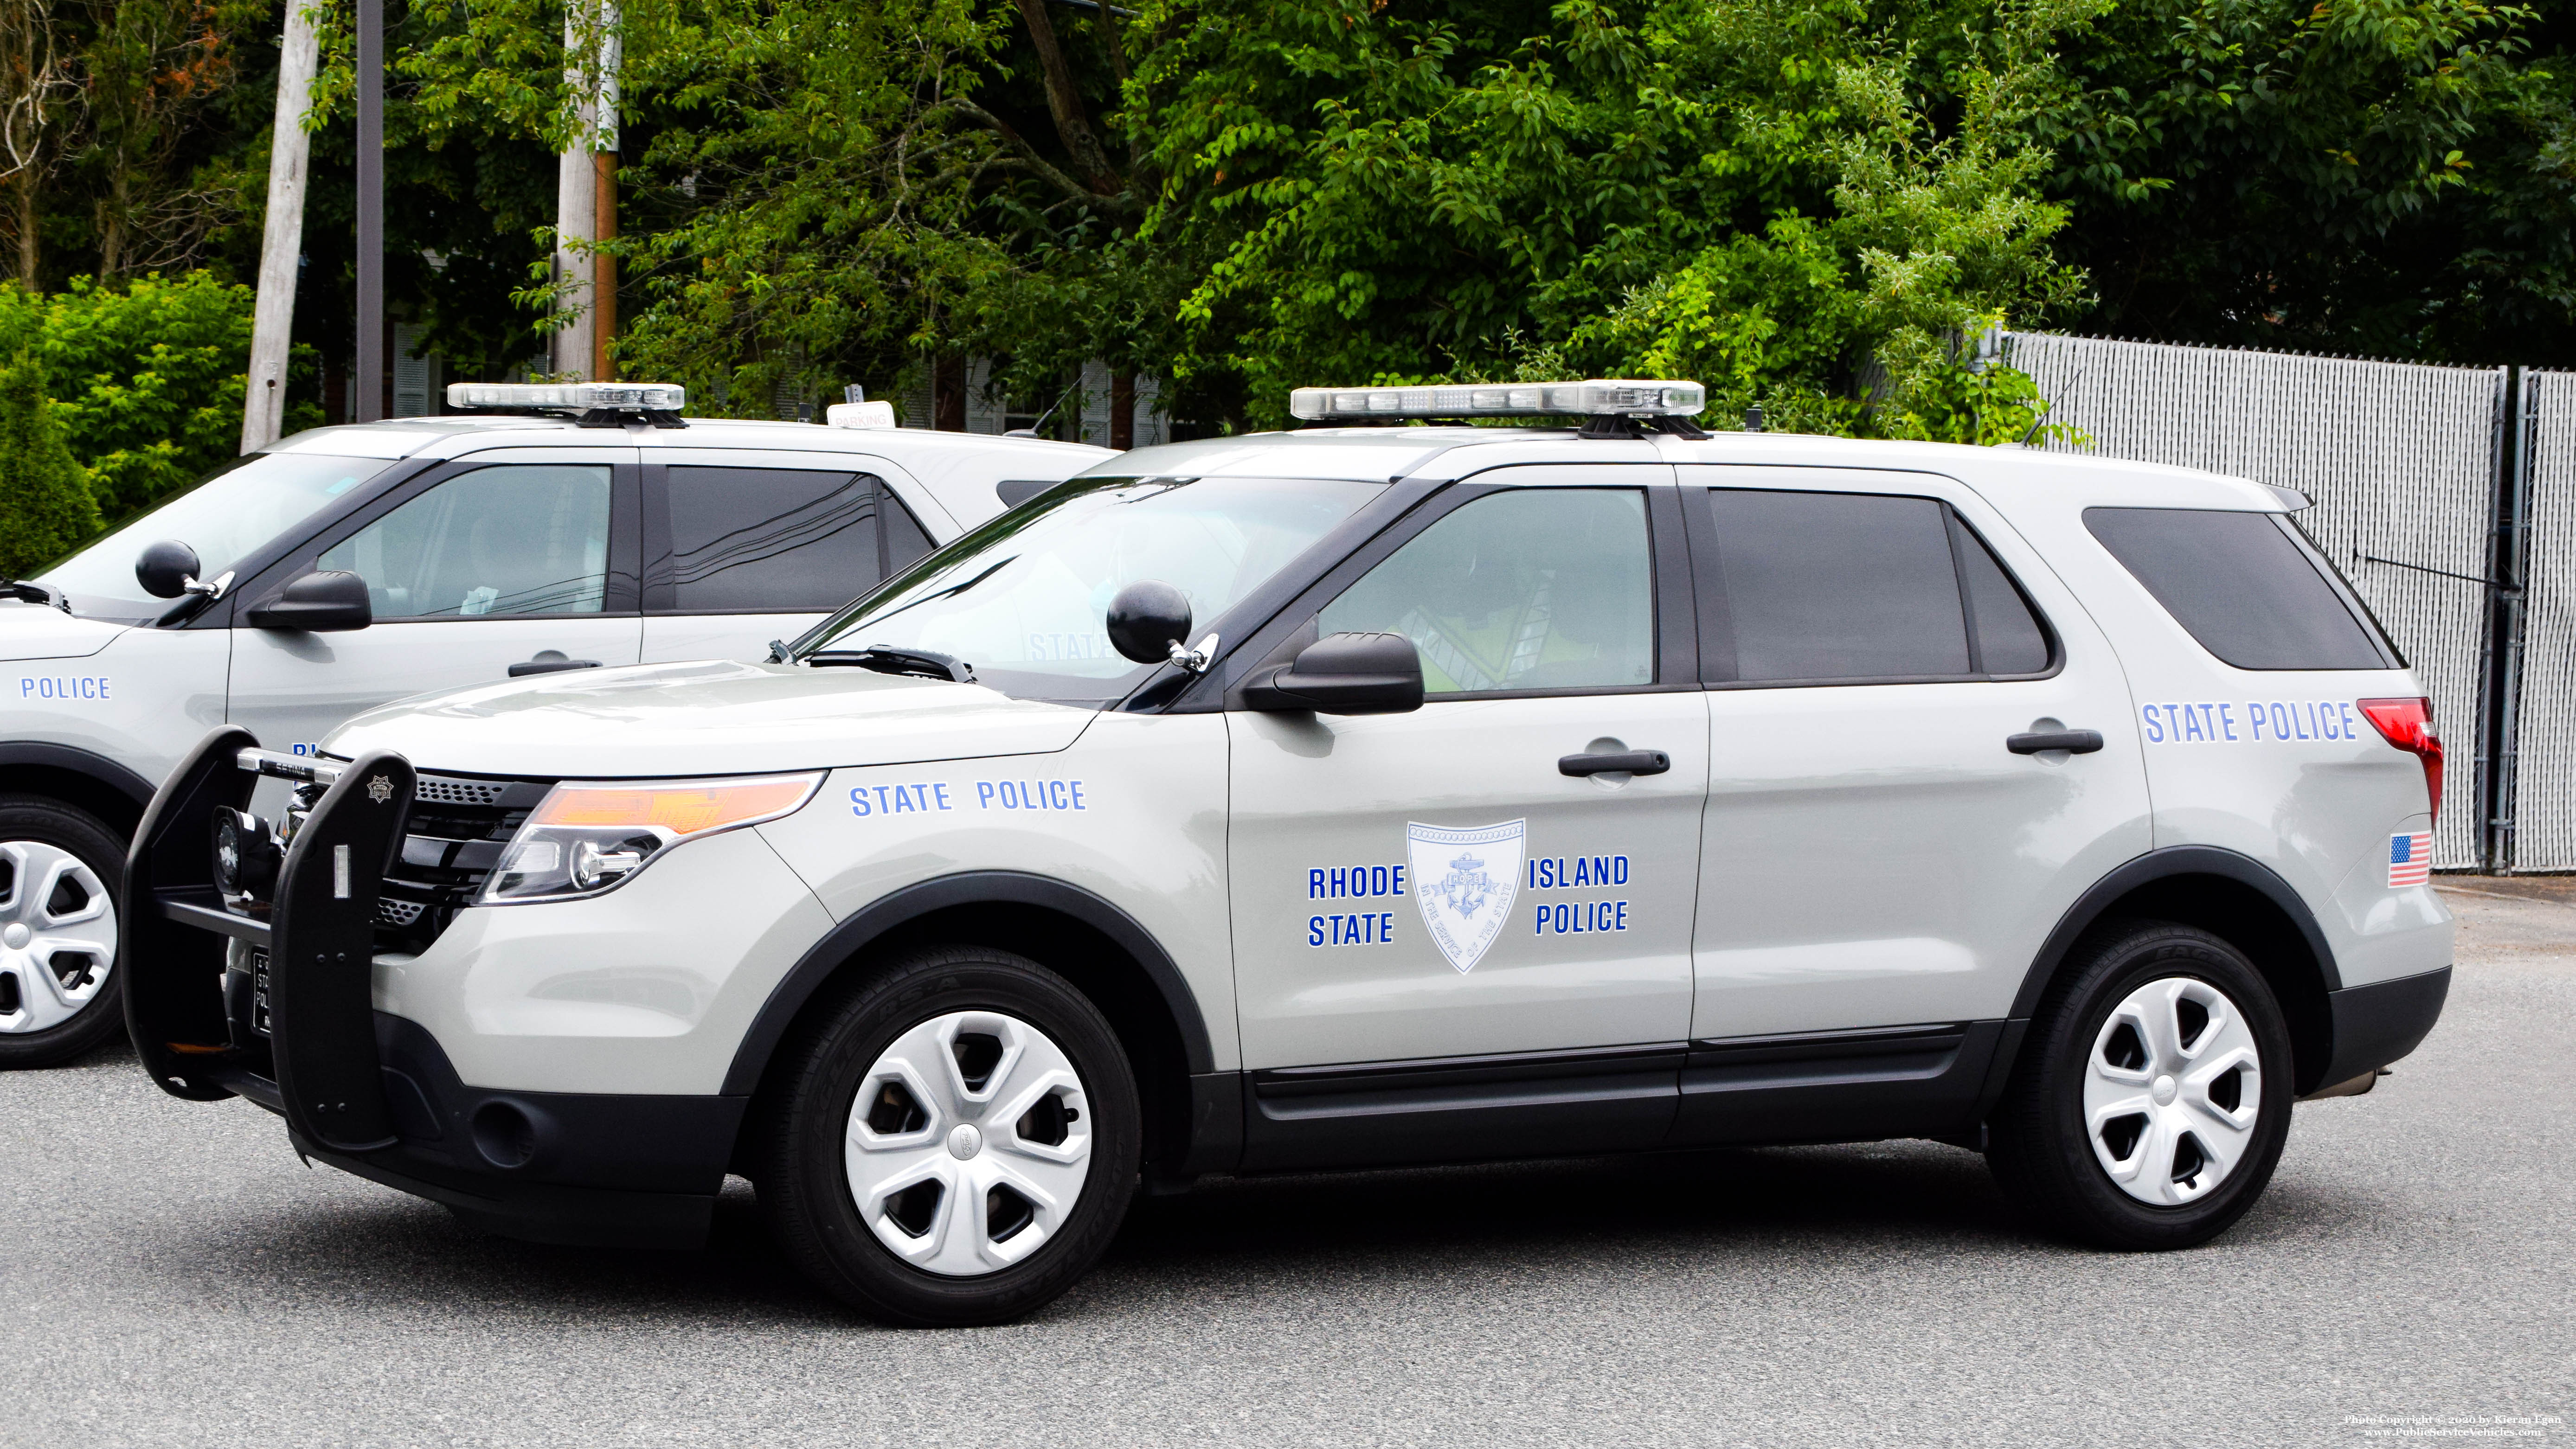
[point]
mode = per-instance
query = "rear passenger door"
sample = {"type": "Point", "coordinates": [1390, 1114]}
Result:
{"type": "Point", "coordinates": [1875, 854]}
{"type": "Point", "coordinates": [743, 549]}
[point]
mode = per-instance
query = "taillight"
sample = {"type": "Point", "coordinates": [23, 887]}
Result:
{"type": "Point", "coordinates": [2408, 724]}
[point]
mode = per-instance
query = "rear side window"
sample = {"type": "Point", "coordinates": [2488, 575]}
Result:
{"type": "Point", "coordinates": [2242, 586]}
{"type": "Point", "coordinates": [786, 540]}
{"type": "Point", "coordinates": [1840, 587]}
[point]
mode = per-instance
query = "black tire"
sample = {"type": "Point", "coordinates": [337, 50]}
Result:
{"type": "Point", "coordinates": [51, 822]}
{"type": "Point", "coordinates": [2038, 1143]}
{"type": "Point", "coordinates": [805, 1114]}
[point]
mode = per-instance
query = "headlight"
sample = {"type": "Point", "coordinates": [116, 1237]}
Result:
{"type": "Point", "coordinates": [585, 838]}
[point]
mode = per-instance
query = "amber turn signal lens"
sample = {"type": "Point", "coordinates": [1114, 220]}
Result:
{"type": "Point", "coordinates": [685, 808]}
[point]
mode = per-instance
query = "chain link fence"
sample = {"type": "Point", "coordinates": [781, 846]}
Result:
{"type": "Point", "coordinates": [2404, 462]}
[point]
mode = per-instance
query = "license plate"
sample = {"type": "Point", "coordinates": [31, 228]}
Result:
{"type": "Point", "coordinates": [259, 991]}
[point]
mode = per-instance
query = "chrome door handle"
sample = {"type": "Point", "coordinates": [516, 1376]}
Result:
{"type": "Point", "coordinates": [548, 666]}
{"type": "Point", "coordinates": [1626, 762]}
{"type": "Point", "coordinates": [2073, 742]}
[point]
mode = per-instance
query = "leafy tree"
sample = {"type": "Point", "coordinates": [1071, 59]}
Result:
{"type": "Point", "coordinates": [1776, 196]}
{"type": "Point", "coordinates": [45, 503]}
{"type": "Point", "coordinates": [2395, 177]}
{"type": "Point", "coordinates": [148, 377]}
{"type": "Point", "coordinates": [804, 194]}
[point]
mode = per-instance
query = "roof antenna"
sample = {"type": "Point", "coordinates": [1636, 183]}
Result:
{"type": "Point", "coordinates": [2045, 409]}
{"type": "Point", "coordinates": [1753, 418]}
{"type": "Point", "coordinates": [1031, 431]}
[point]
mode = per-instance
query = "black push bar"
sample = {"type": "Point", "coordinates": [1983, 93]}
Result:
{"type": "Point", "coordinates": [318, 1061]}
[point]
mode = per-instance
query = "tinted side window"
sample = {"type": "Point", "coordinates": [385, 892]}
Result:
{"type": "Point", "coordinates": [790, 540]}
{"type": "Point", "coordinates": [1529, 588]}
{"type": "Point", "coordinates": [2241, 585]}
{"type": "Point", "coordinates": [518, 539]}
{"type": "Point", "coordinates": [2005, 630]}
{"type": "Point", "coordinates": [1839, 586]}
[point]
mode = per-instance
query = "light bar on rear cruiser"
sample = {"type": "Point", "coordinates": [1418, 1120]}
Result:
{"type": "Point", "coordinates": [649, 397]}
{"type": "Point", "coordinates": [1597, 397]}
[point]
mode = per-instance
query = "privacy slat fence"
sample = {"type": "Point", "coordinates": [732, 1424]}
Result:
{"type": "Point", "coordinates": [2543, 737]}
{"type": "Point", "coordinates": [2409, 466]}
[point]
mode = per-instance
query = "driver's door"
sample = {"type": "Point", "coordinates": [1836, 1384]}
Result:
{"type": "Point", "coordinates": [1456, 935]}
{"type": "Point", "coordinates": [524, 558]}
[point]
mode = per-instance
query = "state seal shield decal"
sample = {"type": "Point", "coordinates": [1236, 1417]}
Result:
{"type": "Point", "coordinates": [1465, 882]}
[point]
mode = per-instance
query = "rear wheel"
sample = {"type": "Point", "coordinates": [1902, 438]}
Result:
{"type": "Point", "coordinates": [955, 1143]}
{"type": "Point", "coordinates": [60, 995]}
{"type": "Point", "coordinates": [2151, 1104]}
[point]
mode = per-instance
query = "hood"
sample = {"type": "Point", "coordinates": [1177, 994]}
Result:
{"type": "Point", "coordinates": [40, 631]}
{"type": "Point", "coordinates": [711, 718]}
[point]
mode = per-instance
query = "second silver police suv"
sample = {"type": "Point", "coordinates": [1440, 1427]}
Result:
{"type": "Point", "coordinates": [1358, 796]}
{"type": "Point", "coordinates": [348, 566]}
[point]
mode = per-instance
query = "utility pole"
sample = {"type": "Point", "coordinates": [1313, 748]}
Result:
{"type": "Point", "coordinates": [586, 191]}
{"type": "Point", "coordinates": [281, 246]}
{"type": "Point", "coordinates": [367, 380]}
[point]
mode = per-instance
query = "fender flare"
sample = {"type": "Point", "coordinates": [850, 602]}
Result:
{"type": "Point", "coordinates": [2164, 864]}
{"type": "Point", "coordinates": [983, 887]}
{"type": "Point", "coordinates": [78, 761]}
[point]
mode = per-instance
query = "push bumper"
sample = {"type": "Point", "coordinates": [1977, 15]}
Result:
{"type": "Point", "coordinates": [273, 1001]}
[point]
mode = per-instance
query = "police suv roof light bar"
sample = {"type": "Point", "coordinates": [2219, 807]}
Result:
{"type": "Point", "coordinates": [591, 404]}
{"type": "Point", "coordinates": [1666, 405]}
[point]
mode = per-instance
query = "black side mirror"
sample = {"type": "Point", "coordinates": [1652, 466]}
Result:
{"type": "Point", "coordinates": [331, 601]}
{"type": "Point", "coordinates": [1146, 619]}
{"type": "Point", "coordinates": [1344, 674]}
{"type": "Point", "coordinates": [165, 569]}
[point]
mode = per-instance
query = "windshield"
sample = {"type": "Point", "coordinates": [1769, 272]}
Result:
{"type": "Point", "coordinates": [1025, 598]}
{"type": "Point", "coordinates": [239, 507]}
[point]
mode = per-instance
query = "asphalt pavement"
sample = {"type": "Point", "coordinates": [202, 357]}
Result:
{"type": "Point", "coordinates": [170, 1275]}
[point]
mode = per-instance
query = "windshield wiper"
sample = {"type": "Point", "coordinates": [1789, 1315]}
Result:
{"type": "Point", "coordinates": [887, 659]}
{"type": "Point", "coordinates": [35, 594]}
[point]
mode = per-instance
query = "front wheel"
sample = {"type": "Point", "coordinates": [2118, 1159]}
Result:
{"type": "Point", "coordinates": [954, 1143]}
{"type": "Point", "coordinates": [60, 994]}
{"type": "Point", "coordinates": [2152, 1101]}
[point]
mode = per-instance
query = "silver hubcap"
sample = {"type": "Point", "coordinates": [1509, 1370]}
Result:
{"type": "Point", "coordinates": [57, 936]}
{"type": "Point", "coordinates": [969, 1143]}
{"type": "Point", "coordinates": [2172, 1091]}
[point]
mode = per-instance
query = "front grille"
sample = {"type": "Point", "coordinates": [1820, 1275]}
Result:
{"type": "Point", "coordinates": [457, 832]}
{"type": "Point", "coordinates": [459, 792]}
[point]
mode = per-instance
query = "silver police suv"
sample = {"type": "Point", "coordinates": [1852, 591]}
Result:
{"type": "Point", "coordinates": [1357, 796]}
{"type": "Point", "coordinates": [345, 567]}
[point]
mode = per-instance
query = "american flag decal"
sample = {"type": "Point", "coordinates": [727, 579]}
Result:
{"type": "Point", "coordinates": [2410, 859]}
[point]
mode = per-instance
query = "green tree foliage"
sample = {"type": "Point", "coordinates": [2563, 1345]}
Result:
{"type": "Point", "coordinates": [1779, 197]}
{"type": "Point", "coordinates": [806, 191]}
{"type": "Point", "coordinates": [2395, 177]}
{"type": "Point", "coordinates": [1816, 205]}
{"type": "Point", "coordinates": [45, 503]}
{"type": "Point", "coordinates": [147, 377]}
{"type": "Point", "coordinates": [1812, 204]}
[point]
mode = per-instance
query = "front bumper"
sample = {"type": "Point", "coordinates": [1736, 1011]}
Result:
{"type": "Point", "coordinates": [366, 1091]}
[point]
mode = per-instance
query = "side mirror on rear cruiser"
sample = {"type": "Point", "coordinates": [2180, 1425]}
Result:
{"type": "Point", "coordinates": [1344, 674]}
{"type": "Point", "coordinates": [1148, 620]}
{"type": "Point", "coordinates": [329, 601]}
{"type": "Point", "coordinates": [165, 569]}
